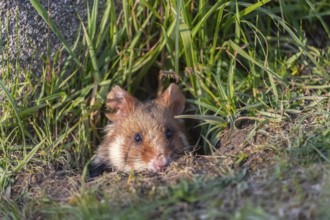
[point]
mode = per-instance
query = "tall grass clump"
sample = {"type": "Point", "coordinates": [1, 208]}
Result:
{"type": "Point", "coordinates": [232, 58]}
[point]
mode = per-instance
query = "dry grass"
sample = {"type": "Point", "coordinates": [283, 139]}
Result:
{"type": "Point", "coordinates": [256, 80]}
{"type": "Point", "coordinates": [253, 174]}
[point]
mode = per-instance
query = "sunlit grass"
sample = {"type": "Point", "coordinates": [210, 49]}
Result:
{"type": "Point", "coordinates": [233, 59]}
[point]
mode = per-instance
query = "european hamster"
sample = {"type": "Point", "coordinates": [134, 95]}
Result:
{"type": "Point", "coordinates": [142, 136]}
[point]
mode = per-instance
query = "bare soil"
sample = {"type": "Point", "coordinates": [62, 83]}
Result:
{"type": "Point", "coordinates": [245, 153]}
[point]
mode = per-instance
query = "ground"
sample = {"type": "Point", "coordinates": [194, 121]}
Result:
{"type": "Point", "coordinates": [245, 177]}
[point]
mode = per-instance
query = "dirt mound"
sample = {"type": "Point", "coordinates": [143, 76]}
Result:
{"type": "Point", "coordinates": [239, 148]}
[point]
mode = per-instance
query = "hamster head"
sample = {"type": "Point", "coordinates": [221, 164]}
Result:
{"type": "Point", "coordinates": [142, 135]}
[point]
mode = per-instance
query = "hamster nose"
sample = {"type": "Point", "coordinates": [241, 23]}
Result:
{"type": "Point", "coordinates": [160, 162]}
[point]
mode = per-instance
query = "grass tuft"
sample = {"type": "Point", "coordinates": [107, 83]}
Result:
{"type": "Point", "coordinates": [256, 78]}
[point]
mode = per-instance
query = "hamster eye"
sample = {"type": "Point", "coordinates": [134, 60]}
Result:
{"type": "Point", "coordinates": [168, 134]}
{"type": "Point", "coordinates": [138, 138]}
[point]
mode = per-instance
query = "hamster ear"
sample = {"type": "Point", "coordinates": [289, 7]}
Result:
{"type": "Point", "coordinates": [121, 101]}
{"type": "Point", "coordinates": [173, 99]}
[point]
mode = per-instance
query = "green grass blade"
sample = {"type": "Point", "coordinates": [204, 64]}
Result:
{"type": "Point", "coordinates": [177, 34]}
{"type": "Point", "coordinates": [103, 31]}
{"type": "Point", "coordinates": [187, 45]}
{"type": "Point", "coordinates": [230, 82]}
{"type": "Point", "coordinates": [325, 26]}
{"type": "Point", "coordinates": [202, 21]}
{"type": "Point", "coordinates": [16, 111]}
{"type": "Point", "coordinates": [246, 56]}
{"type": "Point", "coordinates": [209, 118]}
{"type": "Point", "coordinates": [216, 34]}
{"type": "Point", "coordinates": [152, 9]}
{"type": "Point", "coordinates": [93, 20]}
{"type": "Point", "coordinates": [92, 54]}
{"type": "Point", "coordinates": [252, 8]}
{"type": "Point", "coordinates": [295, 38]}
{"type": "Point", "coordinates": [28, 157]}
{"type": "Point", "coordinates": [126, 18]}
{"type": "Point", "coordinates": [247, 10]}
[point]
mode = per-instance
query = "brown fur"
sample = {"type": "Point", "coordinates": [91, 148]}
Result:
{"type": "Point", "coordinates": [163, 138]}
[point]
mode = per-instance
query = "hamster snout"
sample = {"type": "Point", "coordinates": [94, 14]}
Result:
{"type": "Point", "coordinates": [159, 163]}
{"type": "Point", "coordinates": [142, 135]}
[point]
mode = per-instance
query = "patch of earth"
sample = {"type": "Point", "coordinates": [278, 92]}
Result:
{"type": "Point", "coordinates": [63, 185]}
{"type": "Point", "coordinates": [243, 147]}
{"type": "Point", "coordinates": [291, 193]}
{"type": "Point", "coordinates": [250, 147]}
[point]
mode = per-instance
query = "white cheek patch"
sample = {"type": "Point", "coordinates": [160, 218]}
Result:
{"type": "Point", "coordinates": [116, 153]}
{"type": "Point", "coordinates": [117, 157]}
{"type": "Point", "coordinates": [109, 130]}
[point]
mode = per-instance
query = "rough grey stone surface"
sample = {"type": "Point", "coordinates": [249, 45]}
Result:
{"type": "Point", "coordinates": [25, 36]}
